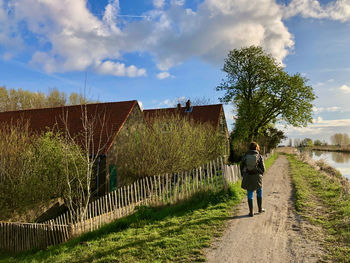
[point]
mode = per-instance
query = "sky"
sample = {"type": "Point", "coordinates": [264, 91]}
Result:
{"type": "Point", "coordinates": [156, 51]}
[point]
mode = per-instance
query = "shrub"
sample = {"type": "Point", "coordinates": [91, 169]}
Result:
{"type": "Point", "coordinates": [32, 168]}
{"type": "Point", "coordinates": [167, 145]}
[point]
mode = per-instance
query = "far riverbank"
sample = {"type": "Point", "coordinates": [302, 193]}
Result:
{"type": "Point", "coordinates": [329, 148]}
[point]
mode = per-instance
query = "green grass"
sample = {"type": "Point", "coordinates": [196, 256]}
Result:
{"type": "Point", "coordinates": [321, 200]}
{"type": "Point", "coordinates": [270, 160]}
{"type": "Point", "coordinates": [176, 233]}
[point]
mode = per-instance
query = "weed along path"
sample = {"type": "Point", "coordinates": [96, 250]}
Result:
{"type": "Point", "coordinates": [278, 235]}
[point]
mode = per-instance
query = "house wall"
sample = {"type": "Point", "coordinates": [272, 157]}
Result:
{"type": "Point", "coordinates": [224, 132]}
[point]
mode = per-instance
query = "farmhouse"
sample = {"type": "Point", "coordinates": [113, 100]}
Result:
{"type": "Point", "coordinates": [211, 114]}
{"type": "Point", "coordinates": [106, 120]}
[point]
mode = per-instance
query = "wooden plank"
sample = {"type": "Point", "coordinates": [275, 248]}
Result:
{"type": "Point", "coordinates": [156, 197]}
{"type": "Point", "coordinates": [186, 185]}
{"type": "Point", "coordinates": [148, 191]}
{"type": "Point", "coordinates": [119, 204]}
{"type": "Point", "coordinates": [178, 187]}
{"type": "Point", "coordinates": [208, 176]}
{"type": "Point", "coordinates": [152, 191]}
{"type": "Point", "coordinates": [142, 197]}
{"type": "Point", "coordinates": [122, 201]}
{"type": "Point", "coordinates": [166, 189]}
{"type": "Point", "coordinates": [160, 190]}
{"type": "Point", "coordinates": [144, 190]}
{"type": "Point", "coordinates": [132, 195]}
{"type": "Point", "coordinates": [115, 205]}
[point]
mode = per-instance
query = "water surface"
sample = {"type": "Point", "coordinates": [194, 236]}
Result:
{"type": "Point", "coordinates": [339, 160]}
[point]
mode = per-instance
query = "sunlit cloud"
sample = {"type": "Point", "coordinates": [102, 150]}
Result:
{"type": "Point", "coordinates": [345, 89]}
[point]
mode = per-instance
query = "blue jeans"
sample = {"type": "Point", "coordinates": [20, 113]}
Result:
{"type": "Point", "coordinates": [250, 193]}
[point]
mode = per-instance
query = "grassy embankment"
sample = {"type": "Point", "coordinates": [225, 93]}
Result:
{"type": "Point", "coordinates": [175, 233]}
{"type": "Point", "coordinates": [322, 200]}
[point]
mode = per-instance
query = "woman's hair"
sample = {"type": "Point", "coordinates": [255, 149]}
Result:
{"type": "Point", "coordinates": [254, 146]}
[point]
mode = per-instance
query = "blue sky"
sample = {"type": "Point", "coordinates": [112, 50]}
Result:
{"type": "Point", "coordinates": [156, 51]}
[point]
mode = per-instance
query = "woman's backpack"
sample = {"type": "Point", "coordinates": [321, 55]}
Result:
{"type": "Point", "coordinates": [251, 163]}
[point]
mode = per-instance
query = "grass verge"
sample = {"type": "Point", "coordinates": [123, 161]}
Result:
{"type": "Point", "coordinates": [269, 161]}
{"type": "Point", "coordinates": [322, 201]}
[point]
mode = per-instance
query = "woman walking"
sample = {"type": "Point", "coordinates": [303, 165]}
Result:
{"type": "Point", "coordinates": [252, 170]}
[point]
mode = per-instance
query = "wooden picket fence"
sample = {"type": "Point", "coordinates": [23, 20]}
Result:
{"type": "Point", "coordinates": [156, 190]}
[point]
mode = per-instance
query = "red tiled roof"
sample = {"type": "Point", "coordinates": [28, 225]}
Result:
{"type": "Point", "coordinates": [114, 115]}
{"type": "Point", "coordinates": [203, 114]}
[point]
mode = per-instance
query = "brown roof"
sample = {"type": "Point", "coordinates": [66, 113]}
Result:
{"type": "Point", "coordinates": [110, 118]}
{"type": "Point", "coordinates": [203, 114]}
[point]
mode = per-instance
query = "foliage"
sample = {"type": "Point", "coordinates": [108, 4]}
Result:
{"type": "Point", "coordinates": [263, 93]}
{"type": "Point", "coordinates": [314, 189]}
{"type": "Point", "coordinates": [32, 168]}
{"type": "Point", "coordinates": [340, 139]}
{"type": "Point", "coordinates": [12, 99]}
{"type": "Point", "coordinates": [169, 144]}
{"type": "Point", "coordinates": [307, 142]}
{"type": "Point", "coordinates": [269, 138]}
{"type": "Point", "coordinates": [318, 143]}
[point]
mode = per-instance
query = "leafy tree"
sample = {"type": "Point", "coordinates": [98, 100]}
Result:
{"type": "Point", "coordinates": [307, 142]}
{"type": "Point", "coordinates": [263, 93]}
{"type": "Point", "coordinates": [19, 99]}
{"type": "Point", "coordinates": [340, 139]}
{"type": "Point", "coordinates": [317, 143]}
{"type": "Point", "coordinates": [270, 138]}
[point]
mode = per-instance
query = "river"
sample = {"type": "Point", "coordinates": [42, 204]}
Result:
{"type": "Point", "coordinates": [338, 160]}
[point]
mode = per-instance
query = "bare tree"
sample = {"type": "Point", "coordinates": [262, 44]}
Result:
{"type": "Point", "coordinates": [81, 159]}
{"type": "Point", "coordinates": [196, 101]}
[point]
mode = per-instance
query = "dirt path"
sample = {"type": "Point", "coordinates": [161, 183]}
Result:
{"type": "Point", "coordinates": [278, 235]}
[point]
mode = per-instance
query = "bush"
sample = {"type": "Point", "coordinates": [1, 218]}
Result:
{"type": "Point", "coordinates": [169, 144]}
{"type": "Point", "coordinates": [32, 168]}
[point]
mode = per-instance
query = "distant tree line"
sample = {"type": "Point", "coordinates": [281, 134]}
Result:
{"type": "Point", "coordinates": [340, 139]}
{"type": "Point", "coordinates": [19, 99]}
{"type": "Point", "coordinates": [337, 139]}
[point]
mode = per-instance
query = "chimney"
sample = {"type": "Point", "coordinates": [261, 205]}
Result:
{"type": "Point", "coordinates": [188, 106]}
{"type": "Point", "coordinates": [178, 106]}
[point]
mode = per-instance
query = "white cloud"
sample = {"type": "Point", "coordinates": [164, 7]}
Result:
{"type": "Point", "coordinates": [119, 69]}
{"type": "Point", "coordinates": [167, 102]}
{"type": "Point", "coordinates": [345, 89]}
{"type": "Point", "coordinates": [74, 39]}
{"type": "Point", "coordinates": [178, 2]}
{"type": "Point", "coordinates": [164, 75]}
{"type": "Point", "coordinates": [158, 3]}
{"type": "Point", "coordinates": [319, 129]}
{"type": "Point", "coordinates": [327, 109]}
{"type": "Point", "coordinates": [336, 10]}
{"type": "Point", "coordinates": [172, 102]}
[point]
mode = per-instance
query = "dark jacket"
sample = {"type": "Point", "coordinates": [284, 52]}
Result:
{"type": "Point", "coordinates": [252, 181]}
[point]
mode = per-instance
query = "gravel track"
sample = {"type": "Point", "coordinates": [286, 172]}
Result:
{"type": "Point", "coordinates": [278, 235]}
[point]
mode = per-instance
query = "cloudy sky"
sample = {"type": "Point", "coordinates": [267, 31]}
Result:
{"type": "Point", "coordinates": [158, 50]}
